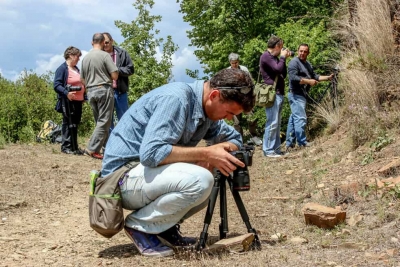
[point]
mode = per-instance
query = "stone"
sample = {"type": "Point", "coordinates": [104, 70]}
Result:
{"type": "Point", "coordinates": [278, 237]}
{"type": "Point", "coordinates": [391, 168]}
{"type": "Point", "coordinates": [354, 219]}
{"type": "Point", "coordinates": [392, 252]}
{"type": "Point", "coordinates": [391, 181]}
{"type": "Point", "coordinates": [298, 240]}
{"type": "Point", "coordinates": [346, 231]}
{"type": "Point", "coordinates": [319, 186]}
{"type": "Point", "coordinates": [322, 216]}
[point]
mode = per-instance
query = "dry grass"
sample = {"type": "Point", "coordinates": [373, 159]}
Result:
{"type": "Point", "coordinates": [369, 77]}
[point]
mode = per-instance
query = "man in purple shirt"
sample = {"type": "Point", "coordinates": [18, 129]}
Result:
{"type": "Point", "coordinates": [273, 70]}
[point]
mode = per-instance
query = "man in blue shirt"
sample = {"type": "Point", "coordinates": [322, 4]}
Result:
{"type": "Point", "coordinates": [301, 78]}
{"type": "Point", "coordinates": [174, 178]}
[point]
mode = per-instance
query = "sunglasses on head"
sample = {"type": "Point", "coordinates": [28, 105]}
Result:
{"type": "Point", "coordinates": [243, 89]}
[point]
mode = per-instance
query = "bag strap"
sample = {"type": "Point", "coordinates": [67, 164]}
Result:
{"type": "Point", "coordinates": [258, 78]}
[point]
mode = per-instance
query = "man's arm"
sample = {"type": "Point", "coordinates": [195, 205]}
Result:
{"type": "Point", "coordinates": [112, 69]}
{"type": "Point", "coordinates": [127, 67]}
{"type": "Point", "coordinates": [326, 78]}
{"type": "Point", "coordinates": [217, 156]}
{"type": "Point", "coordinates": [114, 75]}
{"type": "Point", "coordinates": [294, 70]}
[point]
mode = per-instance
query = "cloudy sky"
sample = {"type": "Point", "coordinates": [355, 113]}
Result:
{"type": "Point", "coordinates": [36, 32]}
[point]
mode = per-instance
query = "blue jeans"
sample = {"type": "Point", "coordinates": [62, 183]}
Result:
{"type": "Point", "coordinates": [163, 196]}
{"type": "Point", "coordinates": [272, 139]}
{"type": "Point", "coordinates": [297, 120]}
{"type": "Point", "coordinates": [120, 106]}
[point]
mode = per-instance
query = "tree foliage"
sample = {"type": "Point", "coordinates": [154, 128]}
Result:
{"type": "Point", "coordinates": [142, 43]}
{"type": "Point", "coordinates": [221, 27]}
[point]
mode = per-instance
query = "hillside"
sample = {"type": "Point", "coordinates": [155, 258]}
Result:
{"type": "Point", "coordinates": [44, 199]}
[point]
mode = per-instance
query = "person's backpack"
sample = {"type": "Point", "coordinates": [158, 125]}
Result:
{"type": "Point", "coordinates": [105, 203]}
{"type": "Point", "coordinates": [50, 131]}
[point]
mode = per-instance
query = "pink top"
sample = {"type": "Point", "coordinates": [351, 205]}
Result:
{"type": "Point", "coordinates": [74, 79]}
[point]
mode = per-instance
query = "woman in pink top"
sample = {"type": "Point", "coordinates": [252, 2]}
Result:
{"type": "Point", "coordinates": [70, 92]}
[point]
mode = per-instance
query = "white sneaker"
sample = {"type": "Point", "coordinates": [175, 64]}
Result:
{"type": "Point", "coordinates": [273, 155]}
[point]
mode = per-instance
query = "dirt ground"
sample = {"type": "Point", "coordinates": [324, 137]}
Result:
{"type": "Point", "coordinates": [44, 212]}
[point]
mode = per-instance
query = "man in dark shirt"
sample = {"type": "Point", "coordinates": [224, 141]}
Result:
{"type": "Point", "coordinates": [125, 67]}
{"type": "Point", "coordinates": [301, 78]}
{"type": "Point", "coordinates": [273, 71]}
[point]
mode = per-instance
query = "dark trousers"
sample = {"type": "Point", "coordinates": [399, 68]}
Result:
{"type": "Point", "coordinates": [69, 129]}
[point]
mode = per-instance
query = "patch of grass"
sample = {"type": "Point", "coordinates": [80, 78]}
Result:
{"type": "Point", "coordinates": [2, 141]}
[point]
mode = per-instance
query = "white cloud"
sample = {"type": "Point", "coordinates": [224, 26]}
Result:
{"type": "Point", "coordinates": [38, 32]}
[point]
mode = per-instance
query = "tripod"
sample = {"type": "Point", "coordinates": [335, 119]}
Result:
{"type": "Point", "coordinates": [220, 181]}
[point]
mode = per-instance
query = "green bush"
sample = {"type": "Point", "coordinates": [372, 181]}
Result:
{"type": "Point", "coordinates": [28, 102]}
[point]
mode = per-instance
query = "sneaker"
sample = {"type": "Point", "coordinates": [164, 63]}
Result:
{"type": "Point", "coordinates": [173, 238]}
{"type": "Point", "coordinates": [93, 154]}
{"type": "Point", "coordinates": [307, 144]}
{"type": "Point", "coordinates": [273, 155]}
{"type": "Point", "coordinates": [289, 148]}
{"type": "Point", "coordinates": [148, 244]}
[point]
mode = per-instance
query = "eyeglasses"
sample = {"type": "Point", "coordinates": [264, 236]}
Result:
{"type": "Point", "coordinates": [107, 42]}
{"type": "Point", "coordinates": [243, 89]}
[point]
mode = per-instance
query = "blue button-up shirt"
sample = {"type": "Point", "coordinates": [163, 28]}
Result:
{"type": "Point", "coordinates": [169, 115]}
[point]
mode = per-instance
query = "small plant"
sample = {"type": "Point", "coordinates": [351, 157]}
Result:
{"type": "Point", "coordinates": [395, 191]}
{"type": "Point", "coordinates": [376, 146]}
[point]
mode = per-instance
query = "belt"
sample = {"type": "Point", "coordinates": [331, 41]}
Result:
{"type": "Point", "coordinates": [98, 86]}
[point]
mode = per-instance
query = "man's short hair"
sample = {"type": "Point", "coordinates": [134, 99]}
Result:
{"type": "Point", "coordinates": [233, 56]}
{"type": "Point", "coordinates": [306, 45]}
{"type": "Point", "coordinates": [274, 41]}
{"type": "Point", "coordinates": [72, 51]}
{"type": "Point", "coordinates": [235, 79]}
{"type": "Point", "coordinates": [98, 38]}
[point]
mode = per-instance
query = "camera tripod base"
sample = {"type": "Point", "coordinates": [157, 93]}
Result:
{"type": "Point", "coordinates": [220, 187]}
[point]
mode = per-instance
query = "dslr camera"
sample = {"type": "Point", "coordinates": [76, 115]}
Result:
{"type": "Point", "coordinates": [291, 53]}
{"type": "Point", "coordinates": [241, 177]}
{"type": "Point", "coordinates": [71, 88]}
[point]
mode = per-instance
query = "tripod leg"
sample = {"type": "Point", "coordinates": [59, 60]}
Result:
{"type": "Point", "coordinates": [245, 217]}
{"type": "Point", "coordinates": [223, 226]}
{"type": "Point", "coordinates": [209, 213]}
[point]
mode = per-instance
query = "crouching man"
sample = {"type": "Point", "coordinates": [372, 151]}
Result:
{"type": "Point", "coordinates": [173, 180]}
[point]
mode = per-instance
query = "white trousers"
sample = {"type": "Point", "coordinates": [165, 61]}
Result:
{"type": "Point", "coordinates": [163, 196]}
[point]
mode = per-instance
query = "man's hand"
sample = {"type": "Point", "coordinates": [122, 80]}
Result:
{"type": "Point", "coordinates": [285, 53]}
{"type": "Point", "coordinates": [220, 158]}
{"type": "Point", "coordinates": [310, 82]}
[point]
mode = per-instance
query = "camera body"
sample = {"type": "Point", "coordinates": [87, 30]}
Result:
{"type": "Point", "coordinates": [71, 88]}
{"type": "Point", "coordinates": [241, 177]}
{"type": "Point", "coordinates": [291, 53]}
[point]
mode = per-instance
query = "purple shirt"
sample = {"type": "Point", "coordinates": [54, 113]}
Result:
{"type": "Point", "coordinates": [271, 66]}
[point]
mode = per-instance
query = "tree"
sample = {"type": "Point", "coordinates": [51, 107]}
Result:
{"type": "Point", "coordinates": [141, 42]}
{"type": "Point", "coordinates": [243, 26]}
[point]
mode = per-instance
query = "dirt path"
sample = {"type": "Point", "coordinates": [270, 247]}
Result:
{"type": "Point", "coordinates": [44, 214]}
